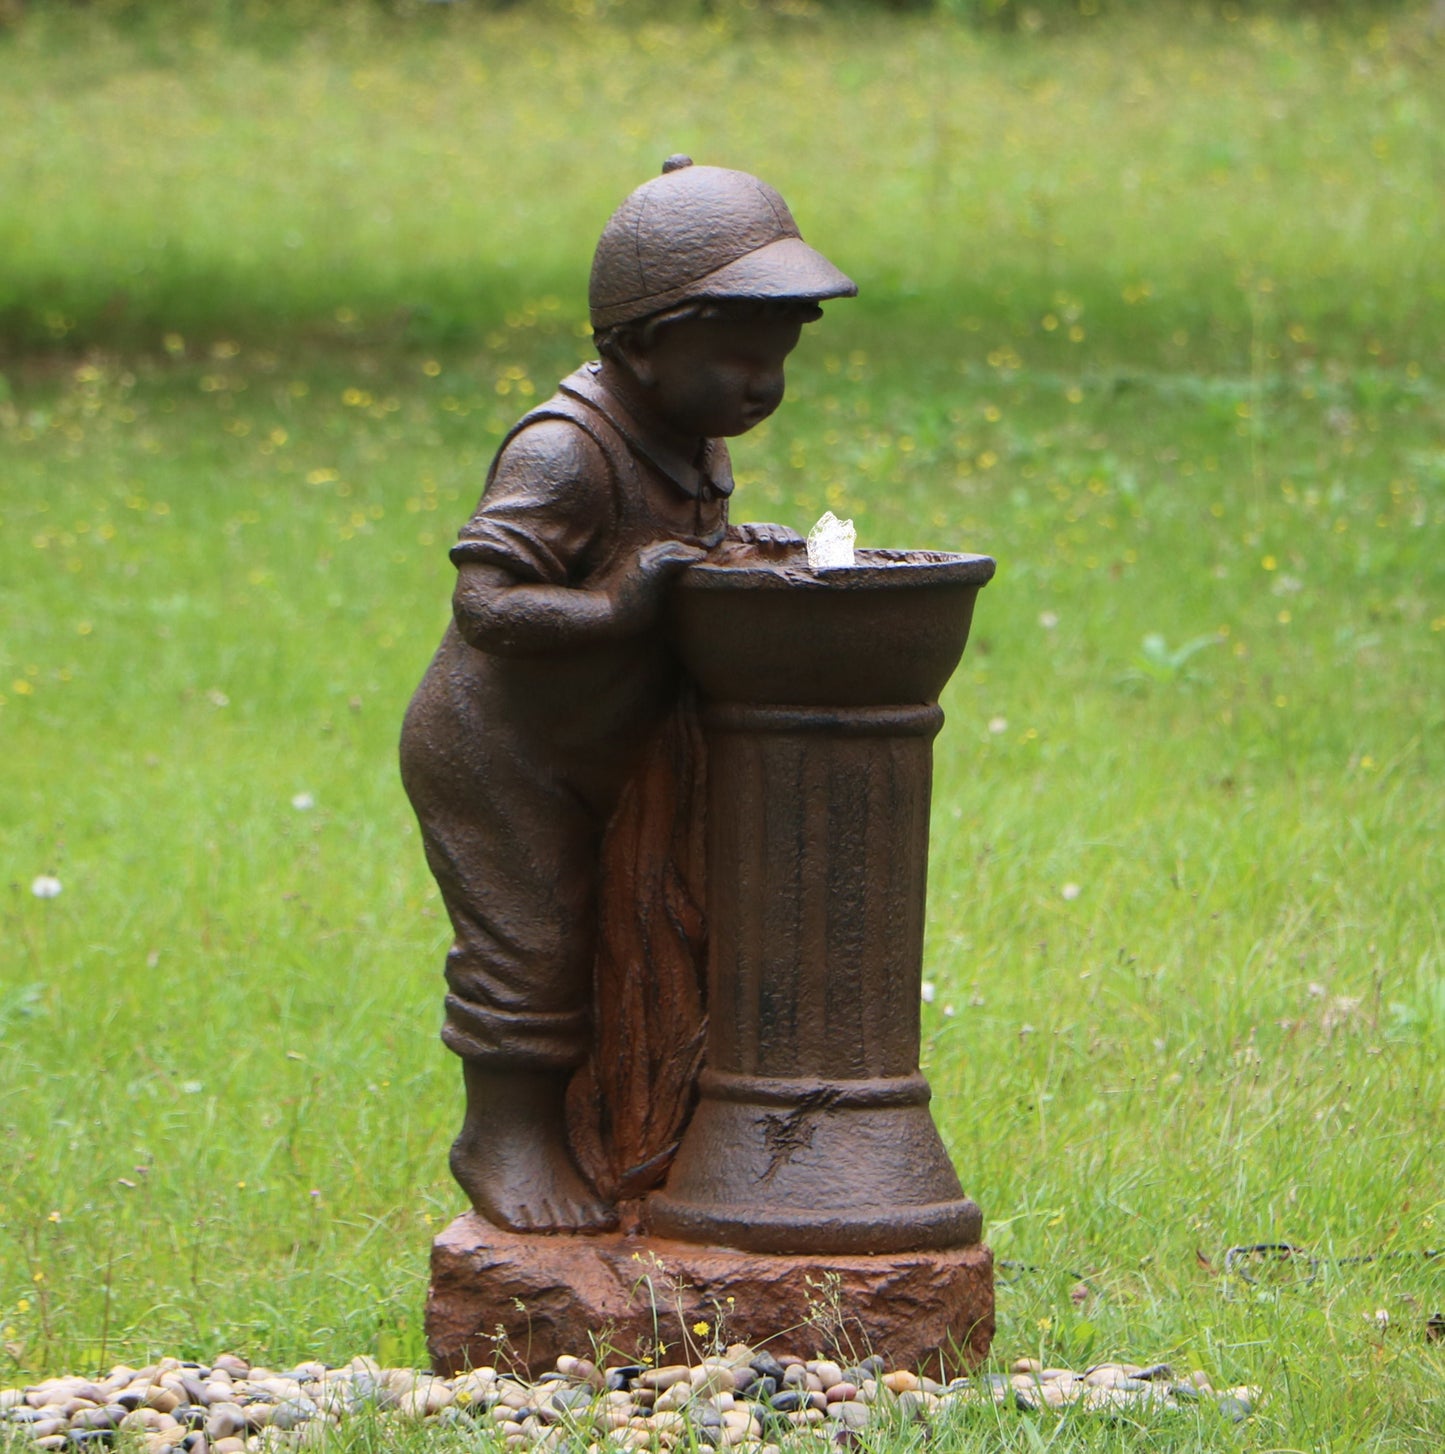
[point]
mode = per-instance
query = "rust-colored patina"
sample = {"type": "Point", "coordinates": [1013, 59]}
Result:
{"type": "Point", "coordinates": [549, 752]}
{"type": "Point", "coordinates": [674, 786]}
{"type": "Point", "coordinates": [498, 1294]}
{"type": "Point", "coordinates": [820, 704]}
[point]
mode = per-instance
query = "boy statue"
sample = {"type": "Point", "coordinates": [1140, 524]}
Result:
{"type": "Point", "coordinates": [549, 752]}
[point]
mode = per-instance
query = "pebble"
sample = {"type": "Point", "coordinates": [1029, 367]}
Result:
{"type": "Point", "coordinates": [713, 1378]}
{"type": "Point", "coordinates": [89, 1416]}
{"type": "Point", "coordinates": [852, 1415]}
{"type": "Point", "coordinates": [911, 1404]}
{"type": "Point", "coordinates": [663, 1378]}
{"type": "Point", "coordinates": [293, 1413]}
{"type": "Point", "coordinates": [746, 1400]}
{"type": "Point", "coordinates": [766, 1366]}
{"type": "Point", "coordinates": [428, 1396]}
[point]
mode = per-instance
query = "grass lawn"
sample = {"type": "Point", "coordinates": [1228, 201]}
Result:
{"type": "Point", "coordinates": [1152, 313]}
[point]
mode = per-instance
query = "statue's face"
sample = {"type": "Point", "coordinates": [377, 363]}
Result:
{"type": "Point", "coordinates": [718, 377]}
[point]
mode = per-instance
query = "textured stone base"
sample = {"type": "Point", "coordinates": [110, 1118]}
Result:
{"type": "Point", "coordinates": [927, 1311]}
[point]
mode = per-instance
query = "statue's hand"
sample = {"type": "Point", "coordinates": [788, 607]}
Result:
{"type": "Point", "coordinates": [663, 559]}
{"type": "Point", "coordinates": [639, 594]}
{"type": "Point", "coordinates": [766, 535]}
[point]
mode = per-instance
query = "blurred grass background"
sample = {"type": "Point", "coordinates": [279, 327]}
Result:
{"type": "Point", "coordinates": [1151, 311]}
{"type": "Point", "coordinates": [178, 175]}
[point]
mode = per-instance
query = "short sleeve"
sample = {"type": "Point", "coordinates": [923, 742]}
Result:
{"type": "Point", "coordinates": [548, 509]}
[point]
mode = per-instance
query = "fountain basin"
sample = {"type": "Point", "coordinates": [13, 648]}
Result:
{"type": "Point", "coordinates": [764, 628]}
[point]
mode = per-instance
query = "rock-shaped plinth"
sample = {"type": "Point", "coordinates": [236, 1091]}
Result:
{"type": "Point", "coordinates": [930, 1311]}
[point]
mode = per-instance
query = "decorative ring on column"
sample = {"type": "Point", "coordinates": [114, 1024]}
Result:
{"type": "Point", "coordinates": [921, 720]}
{"type": "Point", "coordinates": [899, 1090]}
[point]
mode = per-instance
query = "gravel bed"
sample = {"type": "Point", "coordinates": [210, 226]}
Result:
{"type": "Point", "coordinates": [743, 1399]}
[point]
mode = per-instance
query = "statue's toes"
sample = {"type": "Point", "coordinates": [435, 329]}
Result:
{"type": "Point", "coordinates": [521, 1216]}
{"type": "Point", "coordinates": [555, 1210]}
{"type": "Point", "coordinates": [591, 1215]}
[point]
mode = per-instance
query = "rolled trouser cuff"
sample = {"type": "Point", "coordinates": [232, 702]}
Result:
{"type": "Point", "coordinates": [538, 1041]}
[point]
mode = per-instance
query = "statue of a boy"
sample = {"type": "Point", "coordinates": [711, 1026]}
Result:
{"type": "Point", "coordinates": [555, 674]}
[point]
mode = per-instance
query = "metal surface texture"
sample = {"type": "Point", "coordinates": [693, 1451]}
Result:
{"type": "Point", "coordinates": [704, 232]}
{"type": "Point", "coordinates": [674, 786]}
{"type": "Point", "coordinates": [812, 1131]}
{"type": "Point", "coordinates": [552, 751]}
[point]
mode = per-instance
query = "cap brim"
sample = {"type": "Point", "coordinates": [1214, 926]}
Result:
{"type": "Point", "coordinates": [787, 268]}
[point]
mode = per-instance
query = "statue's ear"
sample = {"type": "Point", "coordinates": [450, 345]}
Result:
{"type": "Point", "coordinates": [637, 357]}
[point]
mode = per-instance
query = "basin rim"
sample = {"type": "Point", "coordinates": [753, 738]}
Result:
{"type": "Point", "coordinates": [875, 569]}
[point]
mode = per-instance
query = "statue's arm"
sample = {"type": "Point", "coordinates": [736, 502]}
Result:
{"type": "Point", "coordinates": [524, 583]}
{"type": "Point", "coordinates": [499, 614]}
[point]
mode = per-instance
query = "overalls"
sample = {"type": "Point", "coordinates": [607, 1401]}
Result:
{"type": "Point", "coordinates": [515, 765]}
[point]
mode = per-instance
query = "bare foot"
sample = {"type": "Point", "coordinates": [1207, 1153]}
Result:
{"type": "Point", "coordinates": [512, 1157]}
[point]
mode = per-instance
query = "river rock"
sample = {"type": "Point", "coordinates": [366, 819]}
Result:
{"type": "Point", "coordinates": [225, 1421]}
{"type": "Point", "coordinates": [293, 1412]}
{"type": "Point", "coordinates": [673, 1407]}
{"type": "Point", "coordinates": [766, 1366]}
{"type": "Point", "coordinates": [97, 1418]}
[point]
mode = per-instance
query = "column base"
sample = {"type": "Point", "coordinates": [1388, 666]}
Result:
{"type": "Point", "coordinates": [812, 1166]}
{"type": "Point", "coordinates": [544, 1295]}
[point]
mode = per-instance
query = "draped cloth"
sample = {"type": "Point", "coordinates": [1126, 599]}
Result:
{"type": "Point", "coordinates": [628, 1103]}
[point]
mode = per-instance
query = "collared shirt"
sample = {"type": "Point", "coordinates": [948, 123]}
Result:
{"type": "Point", "coordinates": [558, 511]}
{"type": "Point", "coordinates": [709, 476]}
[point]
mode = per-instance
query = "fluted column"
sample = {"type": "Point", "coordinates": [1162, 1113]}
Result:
{"type": "Point", "coordinates": [812, 1131]}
